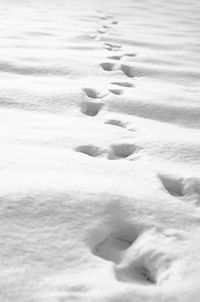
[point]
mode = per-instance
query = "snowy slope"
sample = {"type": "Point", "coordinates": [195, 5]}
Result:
{"type": "Point", "coordinates": [100, 151]}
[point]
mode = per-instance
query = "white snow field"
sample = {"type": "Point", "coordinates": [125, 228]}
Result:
{"type": "Point", "coordinates": [100, 151]}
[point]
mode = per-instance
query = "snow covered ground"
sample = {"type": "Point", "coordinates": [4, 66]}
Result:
{"type": "Point", "coordinates": [100, 151]}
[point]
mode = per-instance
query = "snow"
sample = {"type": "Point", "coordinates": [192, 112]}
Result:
{"type": "Point", "coordinates": [100, 181]}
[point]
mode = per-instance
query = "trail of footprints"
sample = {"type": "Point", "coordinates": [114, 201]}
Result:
{"type": "Point", "coordinates": [105, 27]}
{"type": "Point", "coordinates": [140, 254]}
{"type": "Point", "coordinates": [112, 47]}
{"type": "Point", "coordinates": [94, 103]}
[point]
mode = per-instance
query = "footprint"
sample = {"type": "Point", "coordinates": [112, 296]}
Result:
{"type": "Point", "coordinates": [140, 254]}
{"type": "Point", "coordinates": [90, 150]}
{"type": "Point", "coordinates": [128, 70]}
{"type": "Point", "coordinates": [113, 241]}
{"type": "Point", "coordinates": [114, 22]}
{"type": "Point", "coordinates": [172, 185]}
{"type": "Point", "coordinates": [106, 17]}
{"type": "Point", "coordinates": [186, 189]}
{"type": "Point", "coordinates": [106, 26]}
{"type": "Point", "coordinates": [119, 57]}
{"type": "Point", "coordinates": [120, 151]}
{"type": "Point", "coordinates": [121, 124]}
{"type": "Point", "coordinates": [123, 84]}
{"type": "Point", "coordinates": [101, 31]}
{"type": "Point", "coordinates": [112, 248]}
{"type": "Point", "coordinates": [107, 66]}
{"type": "Point", "coordinates": [116, 91]}
{"type": "Point", "coordinates": [91, 108]}
{"type": "Point", "coordinates": [136, 274]}
{"type": "Point", "coordinates": [149, 261]}
{"type": "Point", "coordinates": [192, 186]}
{"type": "Point", "coordinates": [92, 36]}
{"type": "Point", "coordinates": [94, 94]}
{"type": "Point", "coordinates": [115, 57]}
{"type": "Point", "coordinates": [108, 47]}
{"type": "Point", "coordinates": [90, 92]}
{"type": "Point", "coordinates": [130, 54]}
{"type": "Point", "coordinates": [116, 123]}
{"type": "Point", "coordinates": [112, 47]}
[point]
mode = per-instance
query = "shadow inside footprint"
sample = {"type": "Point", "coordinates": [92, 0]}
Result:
{"type": "Point", "coordinates": [116, 91]}
{"type": "Point", "coordinates": [192, 186]}
{"type": "Point", "coordinates": [106, 17]}
{"type": "Point", "coordinates": [141, 255]}
{"type": "Point", "coordinates": [120, 151]}
{"type": "Point", "coordinates": [91, 93]}
{"type": "Point", "coordinates": [106, 26]}
{"type": "Point", "coordinates": [137, 274]}
{"type": "Point", "coordinates": [112, 248]}
{"type": "Point", "coordinates": [115, 57]}
{"type": "Point", "coordinates": [116, 242]}
{"type": "Point", "coordinates": [110, 46]}
{"type": "Point", "coordinates": [173, 185]}
{"type": "Point", "coordinates": [128, 71]}
{"type": "Point", "coordinates": [149, 260]}
{"type": "Point", "coordinates": [130, 54]}
{"type": "Point", "coordinates": [101, 31]}
{"type": "Point", "coordinates": [113, 45]}
{"type": "Point", "coordinates": [116, 123]}
{"type": "Point", "coordinates": [107, 66]}
{"type": "Point", "coordinates": [90, 150]}
{"type": "Point", "coordinates": [123, 84]}
{"type": "Point", "coordinates": [91, 108]}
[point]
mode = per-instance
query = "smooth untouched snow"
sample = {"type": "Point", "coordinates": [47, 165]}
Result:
{"type": "Point", "coordinates": [100, 151]}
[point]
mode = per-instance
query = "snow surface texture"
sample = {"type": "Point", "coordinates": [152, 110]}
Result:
{"type": "Point", "coordinates": [100, 151]}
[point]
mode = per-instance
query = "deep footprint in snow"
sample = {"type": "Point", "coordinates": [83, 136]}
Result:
{"type": "Point", "coordinates": [139, 274]}
{"type": "Point", "coordinates": [91, 108]}
{"type": "Point", "coordinates": [149, 260]}
{"type": "Point", "coordinates": [120, 151]}
{"type": "Point", "coordinates": [114, 22]}
{"type": "Point", "coordinates": [112, 248]}
{"type": "Point", "coordinates": [115, 57]}
{"type": "Point", "coordinates": [116, 122]}
{"type": "Point", "coordinates": [123, 84]}
{"type": "Point", "coordinates": [117, 241]}
{"type": "Point", "coordinates": [128, 70]}
{"type": "Point", "coordinates": [119, 57]}
{"type": "Point", "coordinates": [107, 66]}
{"type": "Point", "coordinates": [112, 47]}
{"type": "Point", "coordinates": [107, 17]}
{"type": "Point", "coordinates": [192, 187]}
{"type": "Point", "coordinates": [116, 91]}
{"type": "Point", "coordinates": [106, 26]}
{"type": "Point", "coordinates": [94, 94]}
{"type": "Point", "coordinates": [90, 92]}
{"type": "Point", "coordinates": [130, 54]}
{"type": "Point", "coordinates": [172, 185]}
{"type": "Point", "coordinates": [141, 254]}
{"type": "Point", "coordinates": [102, 31]}
{"type": "Point", "coordinates": [181, 187]}
{"type": "Point", "coordinates": [90, 150]}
